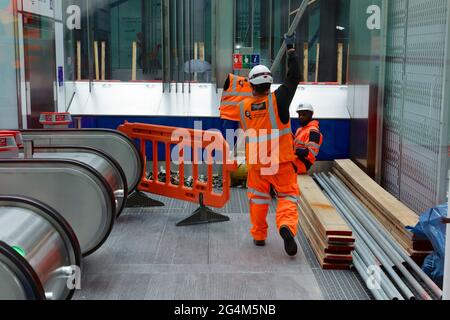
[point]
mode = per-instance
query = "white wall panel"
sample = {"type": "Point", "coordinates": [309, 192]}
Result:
{"type": "Point", "coordinates": [147, 99]}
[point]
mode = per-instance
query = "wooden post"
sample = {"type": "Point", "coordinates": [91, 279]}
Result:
{"type": "Point", "coordinates": [305, 62]}
{"type": "Point", "coordinates": [195, 58]}
{"type": "Point", "coordinates": [317, 62]}
{"type": "Point", "coordinates": [202, 51]}
{"type": "Point", "coordinates": [133, 62]}
{"type": "Point", "coordinates": [78, 60]}
{"type": "Point", "coordinates": [97, 70]}
{"type": "Point", "coordinates": [340, 52]}
{"type": "Point", "coordinates": [347, 76]}
{"type": "Point", "coordinates": [103, 61]}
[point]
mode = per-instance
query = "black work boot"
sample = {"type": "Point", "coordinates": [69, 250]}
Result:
{"type": "Point", "coordinates": [289, 241]}
{"type": "Point", "coordinates": [259, 243]}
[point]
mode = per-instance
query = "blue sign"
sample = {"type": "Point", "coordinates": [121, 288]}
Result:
{"type": "Point", "coordinates": [60, 76]}
{"type": "Point", "coordinates": [256, 59]}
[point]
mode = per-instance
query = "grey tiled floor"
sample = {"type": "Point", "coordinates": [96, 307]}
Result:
{"type": "Point", "coordinates": [148, 257]}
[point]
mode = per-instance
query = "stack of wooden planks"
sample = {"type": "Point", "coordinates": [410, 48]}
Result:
{"type": "Point", "coordinates": [389, 211]}
{"type": "Point", "coordinates": [330, 237]}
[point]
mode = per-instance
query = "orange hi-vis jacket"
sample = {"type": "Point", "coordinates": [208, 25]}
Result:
{"type": "Point", "coordinates": [238, 90]}
{"type": "Point", "coordinates": [308, 141]}
{"type": "Point", "coordinates": [268, 141]}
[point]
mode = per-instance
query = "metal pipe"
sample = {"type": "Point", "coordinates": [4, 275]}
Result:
{"type": "Point", "coordinates": [358, 227]}
{"type": "Point", "coordinates": [292, 28]}
{"type": "Point", "coordinates": [28, 148]}
{"type": "Point", "coordinates": [364, 237]}
{"type": "Point", "coordinates": [400, 251]}
{"type": "Point", "coordinates": [386, 284]}
{"type": "Point", "coordinates": [374, 232]}
{"type": "Point", "coordinates": [343, 193]}
{"type": "Point", "coordinates": [71, 101]}
{"type": "Point", "coordinates": [370, 260]}
{"type": "Point", "coordinates": [361, 267]}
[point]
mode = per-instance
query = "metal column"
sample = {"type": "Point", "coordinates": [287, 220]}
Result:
{"type": "Point", "coordinates": [446, 295]}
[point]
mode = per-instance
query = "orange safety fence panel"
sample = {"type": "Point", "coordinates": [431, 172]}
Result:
{"type": "Point", "coordinates": [210, 143]}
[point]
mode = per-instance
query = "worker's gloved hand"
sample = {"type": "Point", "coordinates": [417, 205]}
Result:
{"type": "Point", "coordinates": [290, 40]}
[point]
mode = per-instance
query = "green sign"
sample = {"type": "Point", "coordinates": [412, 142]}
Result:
{"type": "Point", "coordinates": [247, 61]}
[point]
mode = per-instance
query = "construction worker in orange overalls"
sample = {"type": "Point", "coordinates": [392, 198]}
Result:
{"type": "Point", "coordinates": [270, 157]}
{"type": "Point", "coordinates": [235, 90]}
{"type": "Point", "coordinates": [308, 139]}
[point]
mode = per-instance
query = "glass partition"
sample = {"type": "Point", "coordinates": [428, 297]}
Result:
{"type": "Point", "coordinates": [322, 36]}
{"type": "Point", "coordinates": [191, 43]}
{"type": "Point", "coordinates": [9, 114]}
{"type": "Point", "coordinates": [175, 40]}
{"type": "Point", "coordinates": [117, 40]}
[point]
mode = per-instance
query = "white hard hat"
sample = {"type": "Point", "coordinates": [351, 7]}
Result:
{"type": "Point", "coordinates": [305, 107]}
{"type": "Point", "coordinates": [260, 75]}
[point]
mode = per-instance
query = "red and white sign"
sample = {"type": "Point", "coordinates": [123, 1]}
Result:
{"type": "Point", "coordinates": [60, 118]}
{"type": "Point", "coordinates": [16, 134]}
{"type": "Point", "coordinates": [238, 61]}
{"type": "Point", "coordinates": [55, 119]}
{"type": "Point", "coordinates": [41, 7]}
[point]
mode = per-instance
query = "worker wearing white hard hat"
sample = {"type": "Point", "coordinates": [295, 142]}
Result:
{"type": "Point", "coordinates": [305, 107]}
{"type": "Point", "coordinates": [266, 118]}
{"type": "Point", "coordinates": [308, 139]}
{"type": "Point", "coordinates": [260, 75]}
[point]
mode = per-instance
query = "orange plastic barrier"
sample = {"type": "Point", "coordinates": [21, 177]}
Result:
{"type": "Point", "coordinates": [200, 192]}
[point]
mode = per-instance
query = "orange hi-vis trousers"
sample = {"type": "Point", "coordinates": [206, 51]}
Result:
{"type": "Point", "coordinates": [285, 184]}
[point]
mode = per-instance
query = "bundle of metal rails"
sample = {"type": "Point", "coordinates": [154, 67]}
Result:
{"type": "Point", "coordinates": [387, 268]}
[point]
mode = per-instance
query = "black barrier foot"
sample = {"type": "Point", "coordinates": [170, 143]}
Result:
{"type": "Point", "coordinates": [203, 215]}
{"type": "Point", "coordinates": [141, 200]}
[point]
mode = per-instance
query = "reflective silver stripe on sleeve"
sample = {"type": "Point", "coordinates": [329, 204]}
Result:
{"type": "Point", "coordinates": [234, 83]}
{"type": "Point", "coordinates": [313, 144]}
{"type": "Point", "coordinates": [273, 119]}
{"type": "Point", "coordinates": [313, 152]}
{"type": "Point", "coordinates": [285, 132]}
{"type": "Point", "coordinates": [300, 142]}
